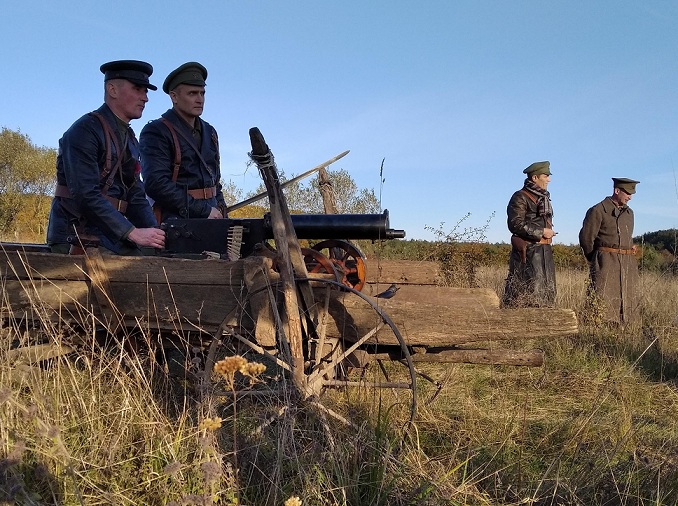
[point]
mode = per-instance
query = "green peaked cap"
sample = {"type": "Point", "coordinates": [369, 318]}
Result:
{"type": "Point", "coordinates": [626, 184]}
{"type": "Point", "coordinates": [538, 168]}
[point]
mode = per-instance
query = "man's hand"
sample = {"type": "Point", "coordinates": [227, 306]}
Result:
{"type": "Point", "coordinates": [149, 237]}
{"type": "Point", "coordinates": [548, 233]}
{"type": "Point", "coordinates": [215, 214]}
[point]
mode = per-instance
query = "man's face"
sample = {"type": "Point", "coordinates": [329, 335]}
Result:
{"type": "Point", "coordinates": [129, 99]}
{"type": "Point", "coordinates": [188, 100]}
{"type": "Point", "coordinates": [621, 197]}
{"type": "Point", "coordinates": [542, 180]}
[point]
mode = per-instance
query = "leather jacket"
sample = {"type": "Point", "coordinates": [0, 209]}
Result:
{"type": "Point", "coordinates": [197, 171]}
{"type": "Point", "coordinates": [80, 161]}
{"type": "Point", "coordinates": [524, 219]}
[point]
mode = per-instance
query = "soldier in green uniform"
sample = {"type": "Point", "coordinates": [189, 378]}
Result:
{"type": "Point", "coordinates": [606, 239]}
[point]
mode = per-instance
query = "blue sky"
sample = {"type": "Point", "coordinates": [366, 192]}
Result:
{"type": "Point", "coordinates": [458, 97]}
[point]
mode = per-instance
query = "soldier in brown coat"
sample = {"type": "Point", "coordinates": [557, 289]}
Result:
{"type": "Point", "coordinates": [606, 238]}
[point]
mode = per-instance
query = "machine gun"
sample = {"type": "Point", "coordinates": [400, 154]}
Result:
{"type": "Point", "coordinates": [234, 238]}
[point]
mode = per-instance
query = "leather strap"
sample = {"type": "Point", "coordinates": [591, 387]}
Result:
{"type": "Point", "coordinates": [63, 192]}
{"type": "Point", "coordinates": [177, 149]}
{"type": "Point", "coordinates": [203, 193]}
{"type": "Point", "coordinates": [109, 172]}
{"type": "Point", "coordinates": [543, 240]}
{"type": "Point", "coordinates": [616, 250]}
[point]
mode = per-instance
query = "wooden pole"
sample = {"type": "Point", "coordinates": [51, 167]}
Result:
{"type": "Point", "coordinates": [291, 258]}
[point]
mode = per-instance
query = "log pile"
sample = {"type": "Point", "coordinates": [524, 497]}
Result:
{"type": "Point", "coordinates": [446, 324]}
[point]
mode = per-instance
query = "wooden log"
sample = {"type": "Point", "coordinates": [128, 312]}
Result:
{"type": "Point", "coordinates": [434, 325]}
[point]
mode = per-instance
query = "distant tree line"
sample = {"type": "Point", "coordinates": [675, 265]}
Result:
{"type": "Point", "coordinates": [27, 181]}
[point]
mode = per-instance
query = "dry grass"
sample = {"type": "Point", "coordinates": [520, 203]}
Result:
{"type": "Point", "coordinates": [595, 425]}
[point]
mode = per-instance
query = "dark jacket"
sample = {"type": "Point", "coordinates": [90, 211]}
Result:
{"type": "Point", "coordinates": [531, 279]}
{"type": "Point", "coordinates": [197, 171]}
{"type": "Point", "coordinates": [614, 275]}
{"type": "Point", "coordinates": [81, 159]}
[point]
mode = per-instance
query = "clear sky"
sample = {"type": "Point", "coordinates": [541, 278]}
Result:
{"type": "Point", "coordinates": [458, 96]}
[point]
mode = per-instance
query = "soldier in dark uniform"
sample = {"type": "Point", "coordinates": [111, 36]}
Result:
{"type": "Point", "coordinates": [606, 239]}
{"type": "Point", "coordinates": [531, 279]}
{"type": "Point", "coordinates": [99, 198]}
{"type": "Point", "coordinates": [180, 152]}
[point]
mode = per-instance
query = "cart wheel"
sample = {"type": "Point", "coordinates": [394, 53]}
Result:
{"type": "Point", "coordinates": [317, 263]}
{"type": "Point", "coordinates": [348, 259]}
{"type": "Point", "coordinates": [348, 378]}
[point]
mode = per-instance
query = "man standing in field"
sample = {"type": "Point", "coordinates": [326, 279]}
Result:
{"type": "Point", "coordinates": [531, 279]}
{"type": "Point", "coordinates": [606, 238]}
{"type": "Point", "coordinates": [180, 152]}
{"type": "Point", "coordinates": [99, 198]}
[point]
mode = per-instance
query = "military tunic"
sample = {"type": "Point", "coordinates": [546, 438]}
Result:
{"type": "Point", "coordinates": [606, 239]}
{"type": "Point", "coordinates": [80, 162]}
{"type": "Point", "coordinates": [200, 167]}
{"type": "Point", "coordinates": [531, 280]}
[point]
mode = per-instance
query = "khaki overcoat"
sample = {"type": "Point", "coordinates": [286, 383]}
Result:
{"type": "Point", "coordinates": [614, 274]}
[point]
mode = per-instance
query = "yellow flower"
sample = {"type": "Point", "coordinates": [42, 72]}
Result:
{"type": "Point", "coordinates": [230, 365]}
{"type": "Point", "coordinates": [210, 424]}
{"type": "Point", "coordinates": [293, 501]}
{"type": "Point", "coordinates": [253, 369]}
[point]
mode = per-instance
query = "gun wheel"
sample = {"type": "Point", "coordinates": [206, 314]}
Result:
{"type": "Point", "coordinates": [348, 260]}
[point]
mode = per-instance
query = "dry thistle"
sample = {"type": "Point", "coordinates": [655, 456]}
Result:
{"type": "Point", "coordinates": [253, 369]}
{"type": "Point", "coordinates": [229, 366]}
{"type": "Point", "coordinates": [293, 501]}
{"type": "Point", "coordinates": [210, 424]}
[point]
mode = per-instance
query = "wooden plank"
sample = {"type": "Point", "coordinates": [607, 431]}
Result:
{"type": "Point", "coordinates": [17, 265]}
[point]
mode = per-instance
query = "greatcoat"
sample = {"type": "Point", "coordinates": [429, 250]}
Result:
{"type": "Point", "coordinates": [614, 274]}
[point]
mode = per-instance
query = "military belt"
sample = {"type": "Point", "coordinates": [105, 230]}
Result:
{"type": "Point", "coordinates": [203, 193]}
{"type": "Point", "coordinates": [63, 192]}
{"type": "Point", "coordinates": [616, 250]}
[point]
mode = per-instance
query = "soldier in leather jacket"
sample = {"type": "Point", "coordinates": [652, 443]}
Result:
{"type": "Point", "coordinates": [99, 195]}
{"type": "Point", "coordinates": [180, 152]}
{"type": "Point", "coordinates": [531, 279]}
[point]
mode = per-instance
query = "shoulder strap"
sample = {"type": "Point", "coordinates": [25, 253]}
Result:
{"type": "Point", "coordinates": [529, 195]}
{"type": "Point", "coordinates": [177, 149]}
{"type": "Point", "coordinates": [109, 172]}
{"type": "Point", "coordinates": [197, 151]}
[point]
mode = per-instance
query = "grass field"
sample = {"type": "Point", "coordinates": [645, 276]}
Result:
{"type": "Point", "coordinates": [596, 425]}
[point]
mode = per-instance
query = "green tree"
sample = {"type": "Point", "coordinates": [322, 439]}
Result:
{"type": "Point", "coordinates": [305, 197]}
{"type": "Point", "coordinates": [26, 185]}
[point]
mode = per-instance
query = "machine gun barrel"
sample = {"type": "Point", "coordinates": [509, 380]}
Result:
{"type": "Point", "coordinates": [223, 236]}
{"type": "Point", "coordinates": [342, 226]}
